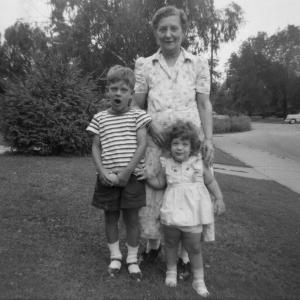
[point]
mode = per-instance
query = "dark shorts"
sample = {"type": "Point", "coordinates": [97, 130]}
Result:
{"type": "Point", "coordinates": [115, 198]}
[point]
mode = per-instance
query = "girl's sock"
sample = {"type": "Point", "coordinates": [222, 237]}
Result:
{"type": "Point", "coordinates": [171, 276]}
{"type": "Point", "coordinates": [132, 259]}
{"type": "Point", "coordinates": [199, 284]}
{"type": "Point", "coordinates": [115, 255]}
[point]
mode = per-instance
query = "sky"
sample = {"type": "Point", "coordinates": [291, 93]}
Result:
{"type": "Point", "coordinates": [260, 15]}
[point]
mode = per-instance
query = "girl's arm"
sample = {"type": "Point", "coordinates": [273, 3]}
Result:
{"type": "Point", "coordinates": [214, 188]}
{"type": "Point", "coordinates": [156, 181]}
{"type": "Point", "coordinates": [96, 153]}
{"type": "Point", "coordinates": [125, 173]}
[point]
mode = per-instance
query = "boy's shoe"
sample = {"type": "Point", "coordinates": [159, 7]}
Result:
{"type": "Point", "coordinates": [134, 271]}
{"type": "Point", "coordinates": [151, 256]}
{"type": "Point", "coordinates": [184, 270]}
{"type": "Point", "coordinates": [114, 267]}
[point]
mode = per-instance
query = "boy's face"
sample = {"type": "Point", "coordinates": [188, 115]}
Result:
{"type": "Point", "coordinates": [120, 95]}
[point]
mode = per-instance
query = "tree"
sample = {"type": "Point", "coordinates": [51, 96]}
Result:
{"type": "Point", "coordinates": [263, 77]}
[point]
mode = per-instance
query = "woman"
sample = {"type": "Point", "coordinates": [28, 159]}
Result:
{"type": "Point", "coordinates": [171, 84]}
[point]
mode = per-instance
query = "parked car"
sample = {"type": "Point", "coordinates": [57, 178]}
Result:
{"type": "Point", "coordinates": [292, 118]}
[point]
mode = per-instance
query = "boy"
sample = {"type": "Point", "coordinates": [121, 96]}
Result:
{"type": "Point", "coordinates": [118, 148]}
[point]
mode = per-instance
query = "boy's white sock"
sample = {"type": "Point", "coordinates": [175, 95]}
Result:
{"type": "Point", "coordinates": [115, 252]}
{"type": "Point", "coordinates": [132, 258]}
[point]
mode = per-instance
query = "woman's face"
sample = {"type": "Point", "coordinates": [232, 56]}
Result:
{"type": "Point", "coordinates": [169, 34]}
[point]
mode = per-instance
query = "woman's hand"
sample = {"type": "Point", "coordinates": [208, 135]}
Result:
{"type": "Point", "coordinates": [219, 206]}
{"type": "Point", "coordinates": [141, 174]}
{"type": "Point", "coordinates": [207, 150]}
{"type": "Point", "coordinates": [157, 136]}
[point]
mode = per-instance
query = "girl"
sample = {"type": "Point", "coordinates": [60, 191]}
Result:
{"type": "Point", "coordinates": [187, 210]}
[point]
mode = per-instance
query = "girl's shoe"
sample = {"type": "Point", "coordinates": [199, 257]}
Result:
{"type": "Point", "coordinates": [171, 279]}
{"type": "Point", "coordinates": [114, 267]}
{"type": "Point", "coordinates": [134, 271]}
{"type": "Point", "coordinates": [200, 288]}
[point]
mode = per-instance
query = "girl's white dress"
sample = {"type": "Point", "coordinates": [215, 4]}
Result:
{"type": "Point", "coordinates": [186, 201]}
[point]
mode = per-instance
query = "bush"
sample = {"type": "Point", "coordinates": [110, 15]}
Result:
{"type": "Point", "coordinates": [232, 124]}
{"type": "Point", "coordinates": [48, 113]}
{"type": "Point", "coordinates": [240, 123]}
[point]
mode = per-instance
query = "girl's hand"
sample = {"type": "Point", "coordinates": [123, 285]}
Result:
{"type": "Point", "coordinates": [142, 174]}
{"type": "Point", "coordinates": [123, 176]}
{"type": "Point", "coordinates": [219, 207]}
{"type": "Point", "coordinates": [157, 136]}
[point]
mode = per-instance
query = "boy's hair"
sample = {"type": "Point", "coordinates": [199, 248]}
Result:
{"type": "Point", "coordinates": [168, 11]}
{"type": "Point", "coordinates": [120, 73]}
{"type": "Point", "coordinates": [184, 131]}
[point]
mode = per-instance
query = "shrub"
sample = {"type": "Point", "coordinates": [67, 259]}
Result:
{"type": "Point", "coordinates": [231, 124]}
{"type": "Point", "coordinates": [221, 125]}
{"type": "Point", "coordinates": [240, 123]}
{"type": "Point", "coordinates": [48, 113]}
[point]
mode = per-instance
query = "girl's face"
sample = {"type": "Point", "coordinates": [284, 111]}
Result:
{"type": "Point", "coordinates": [180, 149]}
{"type": "Point", "coordinates": [169, 34]}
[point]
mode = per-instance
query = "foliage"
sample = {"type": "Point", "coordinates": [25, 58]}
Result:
{"type": "Point", "coordinates": [108, 32]}
{"type": "Point", "coordinates": [264, 76]}
{"type": "Point", "coordinates": [232, 124]}
{"type": "Point", "coordinates": [49, 112]}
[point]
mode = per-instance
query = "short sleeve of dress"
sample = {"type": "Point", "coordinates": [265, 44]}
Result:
{"type": "Point", "coordinates": [142, 119]}
{"type": "Point", "coordinates": [203, 76]}
{"type": "Point", "coordinates": [93, 126]}
{"type": "Point", "coordinates": [141, 85]}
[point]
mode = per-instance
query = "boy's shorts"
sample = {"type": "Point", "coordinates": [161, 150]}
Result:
{"type": "Point", "coordinates": [115, 198]}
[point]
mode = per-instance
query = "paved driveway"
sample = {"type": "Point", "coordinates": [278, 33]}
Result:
{"type": "Point", "coordinates": [271, 149]}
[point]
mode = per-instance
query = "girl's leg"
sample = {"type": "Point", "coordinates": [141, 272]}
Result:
{"type": "Point", "coordinates": [172, 237]}
{"type": "Point", "coordinates": [192, 243]}
{"type": "Point", "coordinates": [131, 220]}
{"type": "Point", "coordinates": [112, 235]}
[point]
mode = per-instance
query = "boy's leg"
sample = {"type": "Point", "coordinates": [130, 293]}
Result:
{"type": "Point", "coordinates": [131, 220]}
{"type": "Point", "coordinates": [112, 235]}
{"type": "Point", "coordinates": [192, 243]}
{"type": "Point", "coordinates": [172, 237]}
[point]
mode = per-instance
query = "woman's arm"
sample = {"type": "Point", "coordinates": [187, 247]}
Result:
{"type": "Point", "coordinates": [205, 112]}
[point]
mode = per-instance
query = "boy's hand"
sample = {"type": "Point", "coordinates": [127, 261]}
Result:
{"type": "Point", "coordinates": [104, 178]}
{"type": "Point", "coordinates": [219, 207]}
{"type": "Point", "coordinates": [123, 176]}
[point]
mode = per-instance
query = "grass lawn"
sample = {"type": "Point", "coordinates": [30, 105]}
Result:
{"type": "Point", "coordinates": [53, 247]}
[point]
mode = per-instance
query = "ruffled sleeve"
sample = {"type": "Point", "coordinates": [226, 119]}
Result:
{"type": "Point", "coordinates": [141, 85]}
{"type": "Point", "coordinates": [203, 76]}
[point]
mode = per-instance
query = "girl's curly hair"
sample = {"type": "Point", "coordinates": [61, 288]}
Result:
{"type": "Point", "coordinates": [184, 131]}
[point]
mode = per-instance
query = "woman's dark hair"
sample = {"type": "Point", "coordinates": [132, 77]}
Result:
{"type": "Point", "coordinates": [185, 131]}
{"type": "Point", "coordinates": [168, 11]}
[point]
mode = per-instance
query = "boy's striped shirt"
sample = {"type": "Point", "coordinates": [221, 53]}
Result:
{"type": "Point", "coordinates": [117, 135]}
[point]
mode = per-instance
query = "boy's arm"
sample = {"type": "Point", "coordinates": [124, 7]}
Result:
{"type": "Point", "coordinates": [214, 188]}
{"type": "Point", "coordinates": [96, 153]}
{"type": "Point", "coordinates": [141, 136]}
